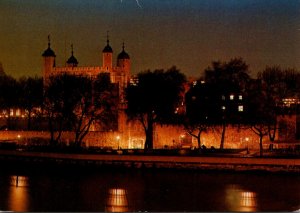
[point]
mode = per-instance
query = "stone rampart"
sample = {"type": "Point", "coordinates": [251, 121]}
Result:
{"type": "Point", "coordinates": [164, 137]}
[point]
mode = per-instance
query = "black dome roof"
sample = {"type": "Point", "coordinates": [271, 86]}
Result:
{"type": "Point", "coordinates": [72, 60]}
{"type": "Point", "coordinates": [123, 55]}
{"type": "Point", "coordinates": [49, 52]}
{"type": "Point", "coordinates": [107, 49]}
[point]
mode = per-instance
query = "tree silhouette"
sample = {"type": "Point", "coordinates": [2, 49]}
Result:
{"type": "Point", "coordinates": [202, 111]}
{"type": "Point", "coordinates": [98, 103]}
{"type": "Point", "coordinates": [75, 102]}
{"type": "Point", "coordinates": [226, 79]}
{"type": "Point", "coordinates": [10, 94]}
{"type": "Point", "coordinates": [259, 114]}
{"type": "Point", "coordinates": [59, 104]}
{"type": "Point", "coordinates": [154, 99]}
{"type": "Point", "coordinates": [31, 96]}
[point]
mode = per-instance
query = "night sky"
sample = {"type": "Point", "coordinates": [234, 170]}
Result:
{"type": "Point", "coordinates": [161, 33]}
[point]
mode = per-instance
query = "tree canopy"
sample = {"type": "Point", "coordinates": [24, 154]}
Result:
{"type": "Point", "coordinates": [154, 99]}
{"type": "Point", "coordinates": [76, 102]}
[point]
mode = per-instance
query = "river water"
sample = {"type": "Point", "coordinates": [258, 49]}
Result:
{"type": "Point", "coordinates": [148, 190]}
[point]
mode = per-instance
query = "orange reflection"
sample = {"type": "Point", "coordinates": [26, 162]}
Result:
{"type": "Point", "coordinates": [18, 181]}
{"type": "Point", "coordinates": [117, 201]}
{"type": "Point", "coordinates": [241, 200]}
{"type": "Point", "coordinates": [248, 201]}
{"type": "Point", "coordinates": [18, 194]}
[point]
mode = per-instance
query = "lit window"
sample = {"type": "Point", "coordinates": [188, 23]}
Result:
{"type": "Point", "coordinates": [223, 107]}
{"type": "Point", "coordinates": [240, 108]}
{"type": "Point", "coordinates": [223, 97]}
{"type": "Point", "coordinates": [240, 97]}
{"type": "Point", "coordinates": [18, 112]}
{"type": "Point", "coordinates": [176, 110]}
{"type": "Point", "coordinates": [231, 97]}
{"type": "Point", "coordinates": [11, 113]}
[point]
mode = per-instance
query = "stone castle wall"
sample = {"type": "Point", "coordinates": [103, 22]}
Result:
{"type": "Point", "coordinates": [131, 135]}
{"type": "Point", "coordinates": [164, 137]}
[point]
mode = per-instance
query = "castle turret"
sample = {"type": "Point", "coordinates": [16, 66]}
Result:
{"type": "Point", "coordinates": [107, 54]}
{"type": "Point", "coordinates": [49, 61]}
{"type": "Point", "coordinates": [123, 61]}
{"type": "Point", "coordinates": [72, 61]}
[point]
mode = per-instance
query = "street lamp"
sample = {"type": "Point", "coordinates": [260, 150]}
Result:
{"type": "Point", "coordinates": [247, 140]}
{"type": "Point", "coordinates": [118, 139]}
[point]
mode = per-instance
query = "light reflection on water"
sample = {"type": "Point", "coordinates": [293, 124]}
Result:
{"type": "Point", "coordinates": [117, 201]}
{"type": "Point", "coordinates": [18, 194]}
{"type": "Point", "coordinates": [149, 191]}
{"type": "Point", "coordinates": [240, 200]}
{"type": "Point", "coordinates": [17, 180]}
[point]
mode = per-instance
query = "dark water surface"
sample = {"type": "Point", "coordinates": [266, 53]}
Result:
{"type": "Point", "coordinates": [147, 190]}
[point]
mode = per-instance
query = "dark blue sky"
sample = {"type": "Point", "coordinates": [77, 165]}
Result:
{"type": "Point", "coordinates": [186, 33]}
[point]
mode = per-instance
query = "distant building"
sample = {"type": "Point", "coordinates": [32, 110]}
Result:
{"type": "Point", "coordinates": [131, 134]}
{"type": "Point", "coordinates": [120, 73]}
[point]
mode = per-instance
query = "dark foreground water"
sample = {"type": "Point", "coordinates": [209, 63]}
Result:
{"type": "Point", "coordinates": [147, 190]}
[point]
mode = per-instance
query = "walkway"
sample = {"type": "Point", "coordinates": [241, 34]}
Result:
{"type": "Point", "coordinates": [189, 162]}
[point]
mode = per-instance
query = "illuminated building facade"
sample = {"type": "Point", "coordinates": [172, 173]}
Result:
{"type": "Point", "coordinates": [131, 134]}
{"type": "Point", "coordinates": [128, 134]}
{"type": "Point", "coordinates": [119, 74]}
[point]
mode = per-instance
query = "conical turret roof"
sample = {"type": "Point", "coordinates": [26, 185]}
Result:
{"type": "Point", "coordinates": [49, 52]}
{"type": "Point", "coordinates": [72, 59]}
{"type": "Point", "coordinates": [123, 54]}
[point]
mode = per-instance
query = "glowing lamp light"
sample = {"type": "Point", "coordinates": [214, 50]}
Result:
{"type": "Point", "coordinates": [117, 200]}
{"type": "Point", "coordinates": [118, 139]}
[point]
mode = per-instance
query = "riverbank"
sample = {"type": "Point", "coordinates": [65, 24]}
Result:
{"type": "Point", "coordinates": [228, 163]}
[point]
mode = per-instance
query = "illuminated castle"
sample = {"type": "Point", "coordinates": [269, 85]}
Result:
{"type": "Point", "coordinates": [119, 74]}
{"type": "Point", "coordinates": [131, 134]}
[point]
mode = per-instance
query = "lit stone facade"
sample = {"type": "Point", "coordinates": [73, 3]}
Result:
{"type": "Point", "coordinates": [119, 74]}
{"type": "Point", "coordinates": [131, 134]}
{"type": "Point", "coordinates": [126, 136]}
